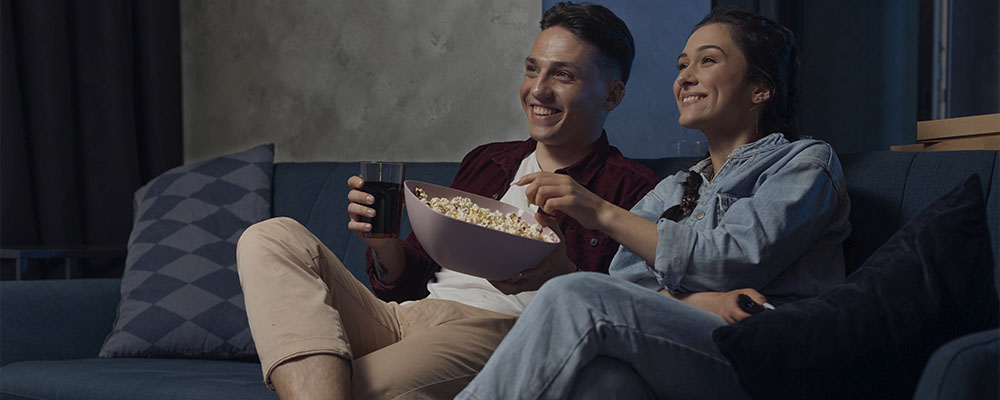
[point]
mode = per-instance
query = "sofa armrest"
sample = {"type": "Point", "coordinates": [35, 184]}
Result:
{"type": "Point", "coordinates": [55, 319]}
{"type": "Point", "coordinates": [965, 368]}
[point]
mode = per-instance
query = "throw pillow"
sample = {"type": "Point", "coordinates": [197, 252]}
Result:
{"type": "Point", "coordinates": [180, 293]}
{"type": "Point", "coordinates": [871, 336]}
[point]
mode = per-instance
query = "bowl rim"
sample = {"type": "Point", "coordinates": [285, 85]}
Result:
{"type": "Point", "coordinates": [545, 229]}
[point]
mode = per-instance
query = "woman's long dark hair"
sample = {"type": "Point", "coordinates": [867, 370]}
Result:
{"type": "Point", "coordinates": [772, 60]}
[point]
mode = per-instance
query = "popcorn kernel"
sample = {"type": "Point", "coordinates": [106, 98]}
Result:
{"type": "Point", "coordinates": [463, 209]}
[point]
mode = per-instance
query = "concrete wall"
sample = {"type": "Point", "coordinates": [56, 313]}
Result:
{"type": "Point", "coordinates": [343, 80]}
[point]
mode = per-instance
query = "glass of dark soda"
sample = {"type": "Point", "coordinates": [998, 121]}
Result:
{"type": "Point", "coordinates": [384, 181]}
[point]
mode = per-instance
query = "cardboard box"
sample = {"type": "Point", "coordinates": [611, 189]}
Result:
{"type": "Point", "coordinates": [986, 142]}
{"type": "Point", "coordinates": [981, 142]}
{"type": "Point", "coordinates": [908, 147]}
{"type": "Point", "coordinates": [937, 130]}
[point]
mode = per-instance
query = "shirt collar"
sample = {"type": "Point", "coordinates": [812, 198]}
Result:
{"type": "Point", "coordinates": [765, 143]}
{"type": "Point", "coordinates": [510, 161]}
{"type": "Point", "coordinates": [583, 171]}
{"type": "Point", "coordinates": [703, 167]}
{"type": "Point", "coordinates": [706, 169]}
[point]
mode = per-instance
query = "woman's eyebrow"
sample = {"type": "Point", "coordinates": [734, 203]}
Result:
{"type": "Point", "coordinates": [711, 46]}
{"type": "Point", "coordinates": [703, 48]}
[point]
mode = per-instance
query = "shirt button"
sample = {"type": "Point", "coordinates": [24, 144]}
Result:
{"type": "Point", "coordinates": [593, 242]}
{"type": "Point", "coordinates": [701, 214]}
{"type": "Point", "coordinates": [495, 196]}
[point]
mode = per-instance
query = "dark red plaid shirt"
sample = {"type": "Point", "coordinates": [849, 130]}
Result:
{"type": "Point", "coordinates": [488, 171]}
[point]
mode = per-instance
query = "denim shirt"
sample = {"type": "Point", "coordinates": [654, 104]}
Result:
{"type": "Point", "coordinates": [773, 218]}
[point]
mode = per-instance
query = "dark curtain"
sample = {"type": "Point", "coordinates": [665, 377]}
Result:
{"type": "Point", "coordinates": [91, 97]}
{"type": "Point", "coordinates": [858, 68]}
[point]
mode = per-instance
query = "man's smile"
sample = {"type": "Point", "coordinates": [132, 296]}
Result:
{"type": "Point", "coordinates": [544, 111]}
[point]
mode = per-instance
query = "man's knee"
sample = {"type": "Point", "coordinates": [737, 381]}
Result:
{"type": "Point", "coordinates": [269, 233]}
{"type": "Point", "coordinates": [267, 230]}
{"type": "Point", "coordinates": [266, 238]}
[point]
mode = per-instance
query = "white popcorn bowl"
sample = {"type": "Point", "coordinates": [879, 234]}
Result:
{"type": "Point", "coordinates": [469, 248]}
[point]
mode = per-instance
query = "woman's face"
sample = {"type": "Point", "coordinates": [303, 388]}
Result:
{"type": "Point", "coordinates": [711, 88]}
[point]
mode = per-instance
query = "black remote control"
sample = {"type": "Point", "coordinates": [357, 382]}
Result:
{"type": "Point", "coordinates": [748, 305]}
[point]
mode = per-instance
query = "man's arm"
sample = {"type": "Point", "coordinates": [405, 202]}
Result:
{"type": "Point", "coordinates": [403, 268]}
{"type": "Point", "coordinates": [410, 282]}
{"type": "Point", "coordinates": [389, 255]}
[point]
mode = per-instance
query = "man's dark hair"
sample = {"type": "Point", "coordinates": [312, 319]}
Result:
{"type": "Point", "coordinates": [772, 59]}
{"type": "Point", "coordinates": [598, 26]}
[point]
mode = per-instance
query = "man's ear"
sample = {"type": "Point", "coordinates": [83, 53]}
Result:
{"type": "Point", "coordinates": [761, 93]}
{"type": "Point", "coordinates": [616, 92]}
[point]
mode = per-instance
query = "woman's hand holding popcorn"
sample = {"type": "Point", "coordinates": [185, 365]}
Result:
{"type": "Point", "coordinates": [557, 192]}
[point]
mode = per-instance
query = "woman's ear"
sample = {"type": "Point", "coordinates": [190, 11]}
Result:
{"type": "Point", "coordinates": [760, 94]}
{"type": "Point", "coordinates": [616, 92]}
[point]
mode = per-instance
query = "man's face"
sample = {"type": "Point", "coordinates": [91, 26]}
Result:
{"type": "Point", "coordinates": [564, 93]}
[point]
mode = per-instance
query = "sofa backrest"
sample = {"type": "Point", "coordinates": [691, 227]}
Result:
{"type": "Point", "coordinates": [315, 194]}
{"type": "Point", "coordinates": [887, 189]}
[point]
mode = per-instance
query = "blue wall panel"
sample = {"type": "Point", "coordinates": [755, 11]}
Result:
{"type": "Point", "coordinates": [645, 125]}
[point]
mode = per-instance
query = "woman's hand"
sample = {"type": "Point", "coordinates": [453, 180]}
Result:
{"type": "Point", "coordinates": [723, 304]}
{"type": "Point", "coordinates": [556, 192]}
{"type": "Point", "coordinates": [557, 263]}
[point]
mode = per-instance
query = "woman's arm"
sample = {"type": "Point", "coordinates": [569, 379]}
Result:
{"type": "Point", "coordinates": [758, 236]}
{"type": "Point", "coordinates": [632, 231]}
{"type": "Point", "coordinates": [723, 304]}
{"type": "Point", "coordinates": [556, 192]}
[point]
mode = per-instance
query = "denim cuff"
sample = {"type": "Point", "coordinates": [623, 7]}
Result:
{"type": "Point", "coordinates": [674, 250]}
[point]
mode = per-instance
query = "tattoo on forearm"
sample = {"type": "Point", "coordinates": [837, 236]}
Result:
{"type": "Point", "coordinates": [380, 270]}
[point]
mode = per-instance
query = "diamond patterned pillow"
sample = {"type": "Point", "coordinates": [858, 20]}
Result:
{"type": "Point", "coordinates": [181, 295]}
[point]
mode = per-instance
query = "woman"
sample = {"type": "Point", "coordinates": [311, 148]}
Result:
{"type": "Point", "coordinates": [762, 212]}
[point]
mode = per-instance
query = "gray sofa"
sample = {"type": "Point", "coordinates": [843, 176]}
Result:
{"type": "Point", "coordinates": [51, 331]}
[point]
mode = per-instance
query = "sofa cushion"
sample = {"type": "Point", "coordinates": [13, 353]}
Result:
{"type": "Point", "coordinates": [871, 336]}
{"type": "Point", "coordinates": [77, 316]}
{"type": "Point", "coordinates": [133, 379]}
{"type": "Point", "coordinates": [181, 294]}
{"type": "Point", "coordinates": [965, 368]}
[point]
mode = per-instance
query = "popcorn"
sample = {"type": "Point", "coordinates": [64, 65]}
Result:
{"type": "Point", "coordinates": [463, 209]}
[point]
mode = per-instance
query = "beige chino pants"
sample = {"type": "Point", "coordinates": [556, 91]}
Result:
{"type": "Point", "coordinates": [301, 300]}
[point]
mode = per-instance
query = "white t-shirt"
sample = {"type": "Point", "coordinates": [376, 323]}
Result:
{"type": "Point", "coordinates": [476, 291]}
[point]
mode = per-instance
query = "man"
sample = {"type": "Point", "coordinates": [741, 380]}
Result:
{"type": "Point", "coordinates": [321, 334]}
